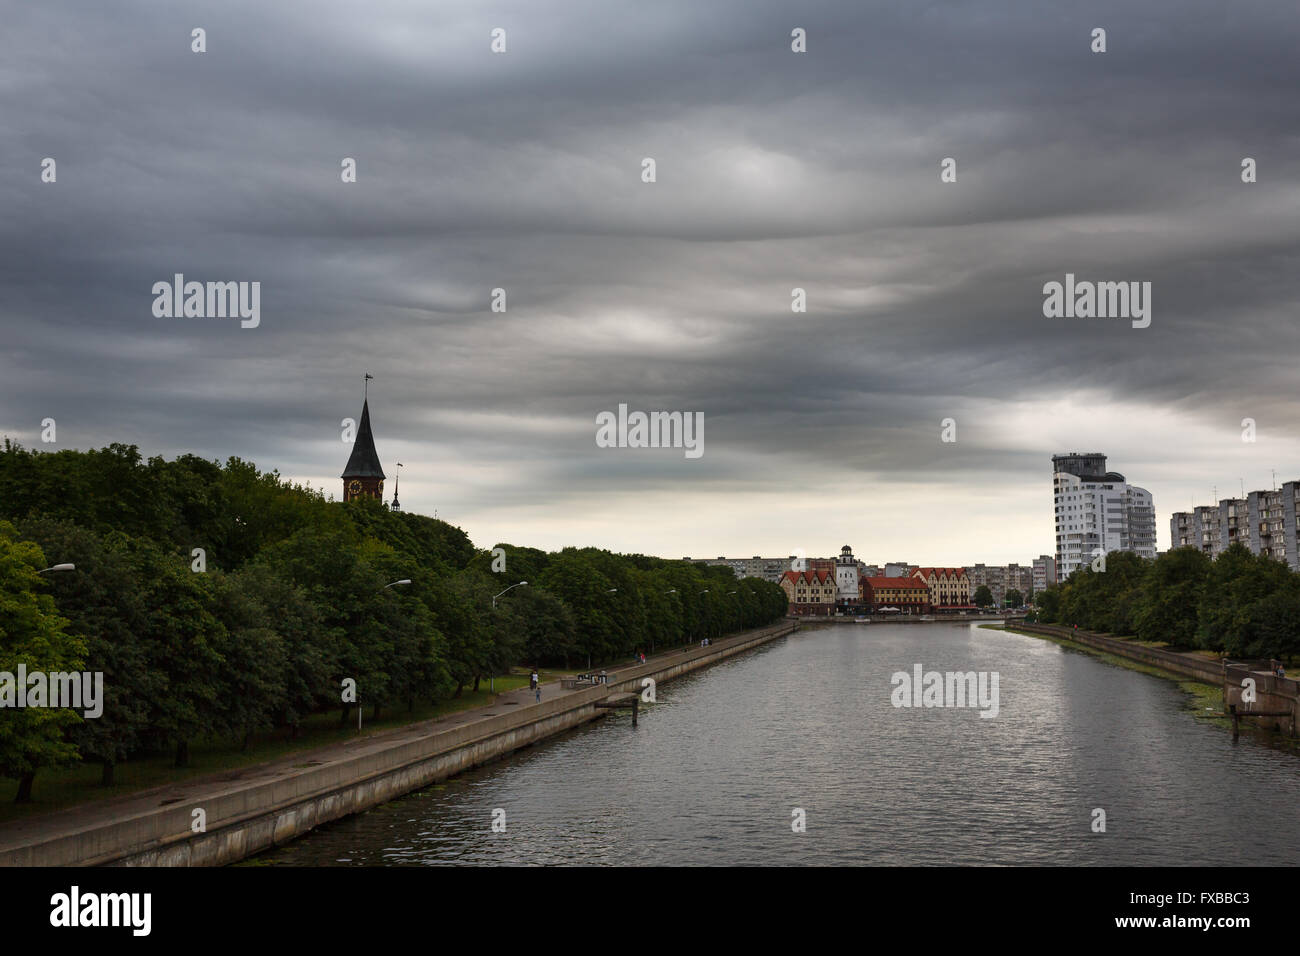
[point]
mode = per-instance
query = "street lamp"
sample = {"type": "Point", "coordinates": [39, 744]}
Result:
{"type": "Point", "coordinates": [59, 567]}
{"type": "Point", "coordinates": [492, 681]}
{"type": "Point", "coordinates": [395, 584]}
{"type": "Point", "coordinates": [511, 588]}
{"type": "Point", "coordinates": [652, 636]}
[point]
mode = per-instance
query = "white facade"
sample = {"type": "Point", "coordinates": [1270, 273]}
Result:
{"type": "Point", "coordinates": [846, 574]}
{"type": "Point", "coordinates": [1098, 512]}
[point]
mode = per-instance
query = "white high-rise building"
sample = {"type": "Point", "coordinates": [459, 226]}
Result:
{"type": "Point", "coordinates": [1097, 512]}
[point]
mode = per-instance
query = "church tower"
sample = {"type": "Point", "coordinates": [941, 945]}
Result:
{"type": "Point", "coordinates": [363, 474]}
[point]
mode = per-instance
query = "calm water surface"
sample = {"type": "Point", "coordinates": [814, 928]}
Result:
{"type": "Point", "coordinates": [713, 771]}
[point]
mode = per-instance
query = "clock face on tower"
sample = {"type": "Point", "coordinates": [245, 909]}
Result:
{"type": "Point", "coordinates": [354, 487]}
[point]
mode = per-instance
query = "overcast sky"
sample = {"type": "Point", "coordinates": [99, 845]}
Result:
{"type": "Point", "coordinates": [775, 170]}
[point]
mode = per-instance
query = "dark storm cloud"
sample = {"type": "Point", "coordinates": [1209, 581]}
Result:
{"type": "Point", "coordinates": [521, 171]}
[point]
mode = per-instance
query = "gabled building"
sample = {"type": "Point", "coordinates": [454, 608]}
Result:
{"type": "Point", "coordinates": [810, 592]}
{"type": "Point", "coordinates": [949, 587]}
{"type": "Point", "coordinates": [908, 595]}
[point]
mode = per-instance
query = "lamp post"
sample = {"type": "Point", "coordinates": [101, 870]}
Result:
{"type": "Point", "coordinates": [492, 680]}
{"type": "Point", "coordinates": [59, 567]}
{"type": "Point", "coordinates": [652, 633]}
{"type": "Point", "coordinates": [395, 584]}
{"type": "Point", "coordinates": [511, 588]}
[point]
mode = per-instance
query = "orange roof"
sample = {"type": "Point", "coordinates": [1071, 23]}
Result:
{"type": "Point", "coordinates": [907, 583]}
{"type": "Point", "coordinates": [819, 576]}
{"type": "Point", "coordinates": [926, 572]}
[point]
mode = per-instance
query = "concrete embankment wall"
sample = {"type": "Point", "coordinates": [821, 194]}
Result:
{"type": "Point", "coordinates": [1207, 671]}
{"type": "Point", "coordinates": [1273, 693]}
{"type": "Point", "coordinates": [254, 816]}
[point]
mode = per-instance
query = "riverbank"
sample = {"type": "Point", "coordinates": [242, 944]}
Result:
{"type": "Point", "coordinates": [1205, 695]}
{"type": "Point", "coordinates": [81, 784]}
{"type": "Point", "coordinates": [714, 773]}
{"type": "Point", "coordinates": [1192, 673]}
{"type": "Point", "coordinates": [221, 819]}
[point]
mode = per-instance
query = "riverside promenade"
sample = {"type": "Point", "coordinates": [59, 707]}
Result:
{"type": "Point", "coordinates": [256, 807]}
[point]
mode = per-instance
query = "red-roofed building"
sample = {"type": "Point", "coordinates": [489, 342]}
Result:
{"type": "Point", "coordinates": [949, 587]}
{"type": "Point", "coordinates": [908, 595]}
{"type": "Point", "coordinates": [810, 592]}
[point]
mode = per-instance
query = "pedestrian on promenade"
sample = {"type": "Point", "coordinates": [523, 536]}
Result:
{"type": "Point", "coordinates": [532, 680]}
{"type": "Point", "coordinates": [539, 693]}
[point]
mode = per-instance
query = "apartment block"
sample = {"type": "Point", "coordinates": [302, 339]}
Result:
{"type": "Point", "coordinates": [1044, 572]}
{"type": "Point", "coordinates": [1263, 521]}
{"type": "Point", "coordinates": [1097, 512]}
{"type": "Point", "coordinates": [769, 569]}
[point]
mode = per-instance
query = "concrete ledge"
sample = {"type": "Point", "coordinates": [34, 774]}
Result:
{"type": "Point", "coordinates": [1209, 672]}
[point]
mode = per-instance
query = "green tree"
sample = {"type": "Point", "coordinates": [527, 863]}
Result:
{"type": "Point", "coordinates": [1236, 581]}
{"type": "Point", "coordinates": [1048, 602]}
{"type": "Point", "coordinates": [983, 596]}
{"type": "Point", "coordinates": [103, 603]}
{"type": "Point", "coordinates": [1174, 586]}
{"type": "Point", "coordinates": [1273, 623]}
{"type": "Point", "coordinates": [32, 634]}
{"type": "Point", "coordinates": [182, 637]}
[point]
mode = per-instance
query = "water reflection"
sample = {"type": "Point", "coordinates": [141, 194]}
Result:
{"type": "Point", "coordinates": [713, 772]}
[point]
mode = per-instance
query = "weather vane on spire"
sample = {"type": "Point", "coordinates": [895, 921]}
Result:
{"type": "Point", "coordinates": [365, 393]}
{"type": "Point", "coordinates": [396, 506]}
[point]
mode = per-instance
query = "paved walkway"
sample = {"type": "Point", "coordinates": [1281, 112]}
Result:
{"type": "Point", "coordinates": [97, 813]}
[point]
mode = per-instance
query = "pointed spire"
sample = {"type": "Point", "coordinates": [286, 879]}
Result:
{"type": "Point", "coordinates": [364, 462]}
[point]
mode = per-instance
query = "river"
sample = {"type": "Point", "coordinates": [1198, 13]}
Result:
{"type": "Point", "coordinates": [719, 764]}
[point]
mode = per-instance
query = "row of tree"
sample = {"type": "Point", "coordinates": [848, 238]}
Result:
{"type": "Point", "coordinates": [1239, 604]}
{"type": "Point", "coordinates": [219, 601]}
{"type": "Point", "coordinates": [983, 597]}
